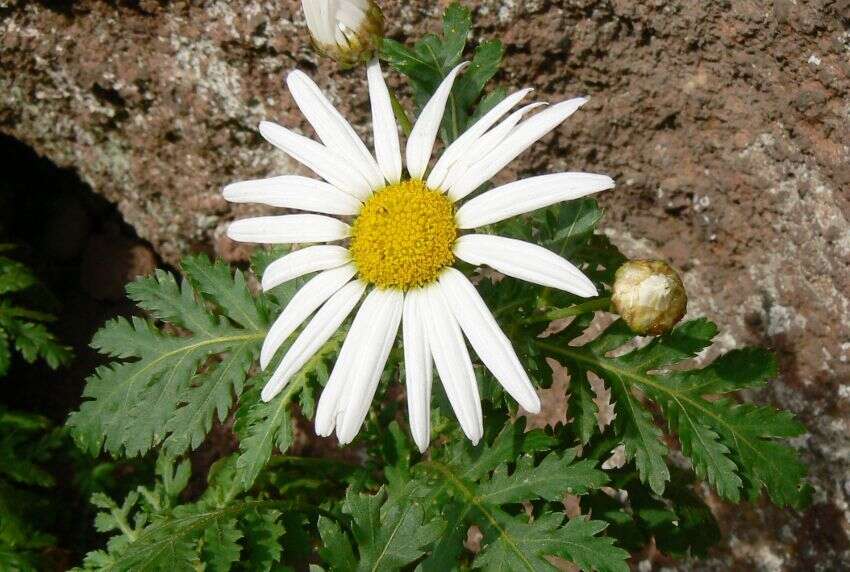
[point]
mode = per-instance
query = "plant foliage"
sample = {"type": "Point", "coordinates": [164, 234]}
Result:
{"type": "Point", "coordinates": [26, 444]}
{"type": "Point", "coordinates": [186, 372]}
{"type": "Point", "coordinates": [433, 57]}
{"type": "Point", "coordinates": [22, 328]}
{"type": "Point", "coordinates": [27, 441]}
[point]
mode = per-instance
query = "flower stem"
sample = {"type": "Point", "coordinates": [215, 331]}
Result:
{"type": "Point", "coordinates": [603, 303]}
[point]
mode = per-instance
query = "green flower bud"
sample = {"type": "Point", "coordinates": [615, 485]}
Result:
{"type": "Point", "coordinates": [347, 31]}
{"type": "Point", "coordinates": [649, 296]}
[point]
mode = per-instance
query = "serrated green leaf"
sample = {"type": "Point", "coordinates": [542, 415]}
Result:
{"type": "Point", "coordinates": [582, 407]}
{"type": "Point", "coordinates": [447, 550]}
{"type": "Point", "coordinates": [262, 539]}
{"type": "Point", "coordinates": [35, 341]}
{"type": "Point", "coordinates": [432, 59]}
{"type": "Point", "coordinates": [336, 549]}
{"type": "Point", "coordinates": [389, 533]}
{"type": "Point", "coordinates": [130, 403]}
{"type": "Point", "coordinates": [641, 437]}
{"type": "Point", "coordinates": [576, 540]}
{"type": "Point", "coordinates": [710, 456]}
{"type": "Point", "coordinates": [264, 426]}
{"type": "Point", "coordinates": [731, 446]}
{"type": "Point", "coordinates": [221, 548]}
{"type": "Point", "coordinates": [212, 393]}
{"type": "Point", "coordinates": [14, 276]}
{"type": "Point", "coordinates": [487, 103]}
{"type": "Point", "coordinates": [551, 479]}
{"type": "Point", "coordinates": [165, 300]}
{"type": "Point", "coordinates": [227, 289]}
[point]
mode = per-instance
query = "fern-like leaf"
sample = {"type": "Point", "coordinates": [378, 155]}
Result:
{"type": "Point", "coordinates": [733, 446]}
{"type": "Point", "coordinates": [170, 386]}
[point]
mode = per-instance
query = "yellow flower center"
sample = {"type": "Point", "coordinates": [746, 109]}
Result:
{"type": "Point", "coordinates": [403, 236]}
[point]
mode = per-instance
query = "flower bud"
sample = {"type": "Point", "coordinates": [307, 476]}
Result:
{"type": "Point", "coordinates": [347, 31]}
{"type": "Point", "coordinates": [649, 296]}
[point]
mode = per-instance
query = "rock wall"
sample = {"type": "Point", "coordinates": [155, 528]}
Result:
{"type": "Point", "coordinates": [725, 123]}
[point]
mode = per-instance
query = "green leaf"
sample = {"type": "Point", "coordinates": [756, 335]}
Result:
{"type": "Point", "coordinates": [34, 341]}
{"type": "Point", "coordinates": [165, 300]}
{"type": "Point", "coordinates": [14, 276]}
{"type": "Point", "coordinates": [522, 546]}
{"type": "Point", "coordinates": [262, 538]}
{"type": "Point", "coordinates": [553, 477]}
{"type": "Point", "coordinates": [336, 549]}
{"type": "Point", "coordinates": [5, 354]}
{"type": "Point", "coordinates": [212, 393]}
{"type": "Point", "coordinates": [466, 485]}
{"type": "Point", "coordinates": [264, 426]}
{"type": "Point", "coordinates": [488, 102]}
{"type": "Point", "coordinates": [227, 289]}
{"type": "Point", "coordinates": [221, 546]}
{"type": "Point", "coordinates": [21, 327]}
{"type": "Point", "coordinates": [641, 437]}
{"type": "Point", "coordinates": [390, 534]}
{"type": "Point", "coordinates": [734, 447]}
{"type": "Point", "coordinates": [582, 407]}
{"type": "Point", "coordinates": [133, 405]}
{"type": "Point", "coordinates": [433, 58]}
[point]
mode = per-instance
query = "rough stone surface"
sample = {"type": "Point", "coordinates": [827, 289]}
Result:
{"type": "Point", "coordinates": [725, 123]}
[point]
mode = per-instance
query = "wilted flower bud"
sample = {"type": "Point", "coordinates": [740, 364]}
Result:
{"type": "Point", "coordinates": [649, 296]}
{"type": "Point", "coordinates": [347, 31]}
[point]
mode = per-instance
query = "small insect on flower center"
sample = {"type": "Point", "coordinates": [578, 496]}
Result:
{"type": "Point", "coordinates": [403, 236]}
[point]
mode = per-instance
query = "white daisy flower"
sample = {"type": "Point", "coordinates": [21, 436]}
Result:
{"type": "Point", "coordinates": [345, 30]}
{"type": "Point", "coordinates": [402, 235]}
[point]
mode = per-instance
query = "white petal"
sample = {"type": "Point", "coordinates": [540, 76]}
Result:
{"type": "Point", "coordinates": [329, 401]}
{"type": "Point", "coordinates": [528, 195]}
{"type": "Point", "coordinates": [487, 338]}
{"type": "Point", "coordinates": [463, 144]}
{"type": "Point", "coordinates": [387, 148]}
{"type": "Point", "coordinates": [485, 145]}
{"type": "Point", "coordinates": [324, 162]}
{"type": "Point", "coordinates": [335, 395]}
{"type": "Point", "coordinates": [312, 295]}
{"type": "Point", "coordinates": [332, 128]}
{"type": "Point", "coordinates": [319, 20]}
{"type": "Point", "coordinates": [422, 137]}
{"type": "Point", "coordinates": [525, 261]}
{"type": "Point", "coordinates": [417, 370]}
{"type": "Point", "coordinates": [288, 229]}
{"type": "Point", "coordinates": [375, 349]}
{"type": "Point", "coordinates": [320, 329]}
{"type": "Point", "coordinates": [525, 135]}
{"type": "Point", "coordinates": [294, 192]}
{"type": "Point", "coordinates": [453, 364]}
{"type": "Point", "coordinates": [351, 14]}
{"type": "Point", "coordinates": [304, 261]}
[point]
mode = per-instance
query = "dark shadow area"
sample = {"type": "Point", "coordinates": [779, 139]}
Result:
{"type": "Point", "coordinates": [84, 253]}
{"type": "Point", "coordinates": [78, 245]}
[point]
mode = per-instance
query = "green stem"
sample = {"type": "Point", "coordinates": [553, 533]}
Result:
{"type": "Point", "coordinates": [401, 114]}
{"type": "Point", "coordinates": [123, 525]}
{"type": "Point", "coordinates": [16, 312]}
{"type": "Point", "coordinates": [603, 303]}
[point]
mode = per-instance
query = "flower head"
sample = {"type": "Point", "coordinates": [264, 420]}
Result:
{"type": "Point", "coordinates": [649, 296]}
{"type": "Point", "coordinates": [400, 235]}
{"type": "Point", "coordinates": [347, 31]}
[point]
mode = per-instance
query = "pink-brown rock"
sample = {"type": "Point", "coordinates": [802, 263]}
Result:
{"type": "Point", "coordinates": [725, 124]}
